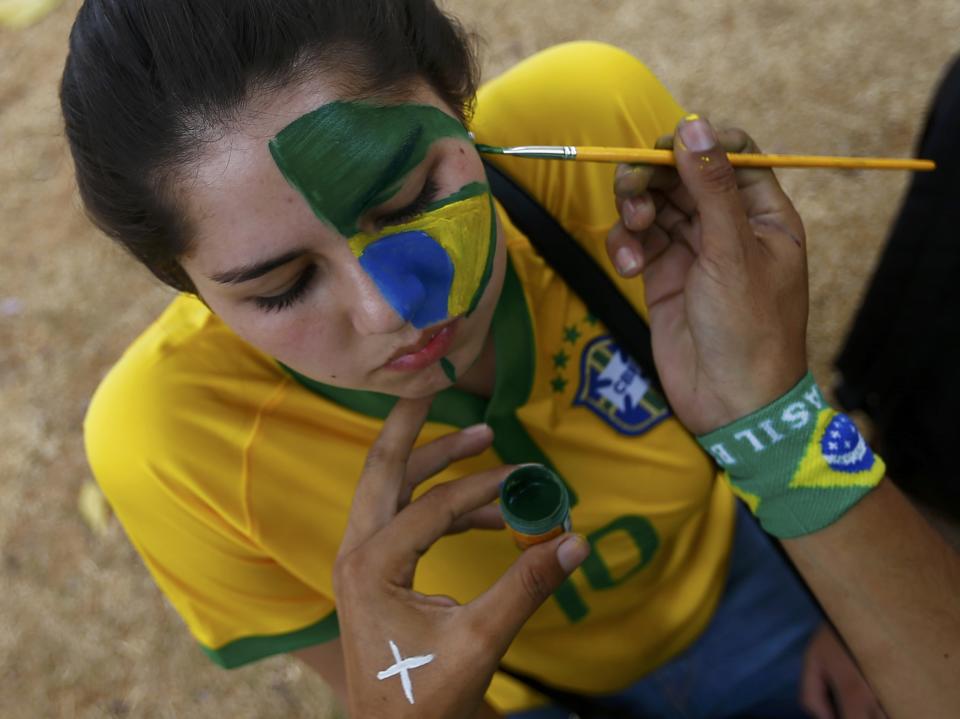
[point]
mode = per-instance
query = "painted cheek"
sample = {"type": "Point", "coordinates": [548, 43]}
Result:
{"type": "Point", "coordinates": [413, 273]}
{"type": "Point", "coordinates": [437, 267]}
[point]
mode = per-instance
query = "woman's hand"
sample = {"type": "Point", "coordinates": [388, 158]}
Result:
{"type": "Point", "coordinates": [723, 259]}
{"type": "Point", "coordinates": [832, 686]}
{"type": "Point", "coordinates": [411, 655]}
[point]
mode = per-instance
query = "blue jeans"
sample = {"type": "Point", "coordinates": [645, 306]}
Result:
{"type": "Point", "coordinates": [748, 661]}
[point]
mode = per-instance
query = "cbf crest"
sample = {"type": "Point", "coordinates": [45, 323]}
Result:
{"type": "Point", "coordinates": [614, 388]}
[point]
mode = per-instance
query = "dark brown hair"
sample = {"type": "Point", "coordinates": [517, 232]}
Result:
{"type": "Point", "coordinates": [147, 81]}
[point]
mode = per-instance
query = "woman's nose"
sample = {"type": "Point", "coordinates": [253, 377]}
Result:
{"type": "Point", "coordinates": [412, 273]}
{"type": "Point", "coordinates": [369, 311]}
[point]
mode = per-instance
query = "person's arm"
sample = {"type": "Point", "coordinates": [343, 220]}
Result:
{"type": "Point", "coordinates": [891, 584]}
{"type": "Point", "coordinates": [724, 265]}
{"type": "Point", "coordinates": [327, 660]}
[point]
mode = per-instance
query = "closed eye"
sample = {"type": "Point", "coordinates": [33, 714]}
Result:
{"type": "Point", "coordinates": [275, 303]}
{"type": "Point", "coordinates": [416, 208]}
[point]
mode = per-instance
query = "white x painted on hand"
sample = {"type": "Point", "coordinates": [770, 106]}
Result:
{"type": "Point", "coordinates": [403, 667]}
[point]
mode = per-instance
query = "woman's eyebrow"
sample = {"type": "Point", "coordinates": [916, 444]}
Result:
{"type": "Point", "coordinates": [395, 171]}
{"type": "Point", "coordinates": [245, 273]}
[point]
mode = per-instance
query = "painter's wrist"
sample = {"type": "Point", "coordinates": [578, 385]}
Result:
{"type": "Point", "coordinates": [797, 463]}
{"type": "Point", "coordinates": [757, 385]}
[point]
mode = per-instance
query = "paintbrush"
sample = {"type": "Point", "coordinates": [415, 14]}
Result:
{"type": "Point", "coordinates": [665, 157]}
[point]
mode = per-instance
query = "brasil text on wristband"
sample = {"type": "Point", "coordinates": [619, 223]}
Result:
{"type": "Point", "coordinates": [797, 463]}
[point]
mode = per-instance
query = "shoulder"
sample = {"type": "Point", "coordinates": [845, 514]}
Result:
{"type": "Point", "coordinates": [171, 417]}
{"type": "Point", "coordinates": [581, 93]}
{"type": "Point", "coordinates": [575, 93]}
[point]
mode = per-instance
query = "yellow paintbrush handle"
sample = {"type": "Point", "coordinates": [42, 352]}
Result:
{"type": "Point", "coordinates": [665, 157]}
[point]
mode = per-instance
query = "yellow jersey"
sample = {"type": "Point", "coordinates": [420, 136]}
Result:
{"type": "Point", "coordinates": [233, 477]}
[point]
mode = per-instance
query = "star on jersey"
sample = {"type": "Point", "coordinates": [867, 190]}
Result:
{"type": "Point", "coordinates": [403, 667]}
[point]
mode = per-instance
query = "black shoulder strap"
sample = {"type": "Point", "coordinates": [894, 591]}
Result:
{"type": "Point", "coordinates": [592, 285]}
{"type": "Point", "coordinates": [577, 268]}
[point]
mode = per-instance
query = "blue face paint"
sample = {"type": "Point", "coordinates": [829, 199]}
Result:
{"type": "Point", "coordinates": [413, 273]}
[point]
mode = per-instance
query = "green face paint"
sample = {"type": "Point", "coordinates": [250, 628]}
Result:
{"type": "Point", "coordinates": [448, 369]}
{"type": "Point", "coordinates": [347, 158]}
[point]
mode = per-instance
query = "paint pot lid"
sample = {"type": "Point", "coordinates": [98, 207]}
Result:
{"type": "Point", "coordinates": [533, 499]}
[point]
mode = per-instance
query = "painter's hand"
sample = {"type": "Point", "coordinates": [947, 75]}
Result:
{"type": "Point", "coordinates": [723, 259]}
{"type": "Point", "coordinates": [408, 654]}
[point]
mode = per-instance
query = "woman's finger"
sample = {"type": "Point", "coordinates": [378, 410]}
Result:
{"type": "Point", "coordinates": [815, 694]}
{"type": "Point", "coordinates": [382, 480]}
{"type": "Point", "coordinates": [500, 612]}
{"type": "Point", "coordinates": [425, 520]}
{"type": "Point", "coordinates": [853, 694]}
{"type": "Point", "coordinates": [437, 600]}
{"type": "Point", "coordinates": [488, 517]}
{"type": "Point", "coordinates": [433, 457]}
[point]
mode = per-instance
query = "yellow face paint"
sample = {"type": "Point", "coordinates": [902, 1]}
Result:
{"type": "Point", "coordinates": [463, 228]}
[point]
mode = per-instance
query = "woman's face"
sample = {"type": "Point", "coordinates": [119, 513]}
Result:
{"type": "Point", "coordinates": [294, 271]}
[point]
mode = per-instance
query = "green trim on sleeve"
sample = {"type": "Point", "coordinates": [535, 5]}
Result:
{"type": "Point", "coordinates": [250, 649]}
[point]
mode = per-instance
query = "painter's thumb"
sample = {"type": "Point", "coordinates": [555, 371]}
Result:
{"type": "Point", "coordinates": [536, 574]}
{"type": "Point", "coordinates": [709, 177]}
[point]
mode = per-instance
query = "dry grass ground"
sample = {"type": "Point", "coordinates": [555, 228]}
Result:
{"type": "Point", "coordinates": [83, 632]}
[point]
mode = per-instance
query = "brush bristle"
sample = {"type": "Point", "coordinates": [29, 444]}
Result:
{"type": "Point", "coordinates": [489, 149]}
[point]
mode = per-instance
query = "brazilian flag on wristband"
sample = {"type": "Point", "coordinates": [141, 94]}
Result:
{"type": "Point", "coordinates": [797, 463]}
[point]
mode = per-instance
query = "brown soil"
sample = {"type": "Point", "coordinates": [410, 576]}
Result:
{"type": "Point", "coordinates": [83, 631]}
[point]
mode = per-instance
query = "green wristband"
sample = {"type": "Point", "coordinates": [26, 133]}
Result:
{"type": "Point", "coordinates": [797, 463]}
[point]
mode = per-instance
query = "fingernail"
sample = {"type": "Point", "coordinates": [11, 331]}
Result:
{"type": "Point", "coordinates": [572, 551]}
{"type": "Point", "coordinates": [697, 134]}
{"type": "Point", "coordinates": [481, 428]}
{"type": "Point", "coordinates": [626, 261]}
{"type": "Point", "coordinates": [631, 208]}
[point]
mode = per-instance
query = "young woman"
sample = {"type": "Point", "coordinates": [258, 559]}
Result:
{"type": "Point", "coordinates": [302, 173]}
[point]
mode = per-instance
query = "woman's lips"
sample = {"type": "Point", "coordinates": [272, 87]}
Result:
{"type": "Point", "coordinates": [433, 345]}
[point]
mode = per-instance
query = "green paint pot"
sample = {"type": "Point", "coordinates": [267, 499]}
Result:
{"type": "Point", "coordinates": [535, 505]}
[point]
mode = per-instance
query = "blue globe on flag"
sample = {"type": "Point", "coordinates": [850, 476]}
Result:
{"type": "Point", "coordinates": [844, 448]}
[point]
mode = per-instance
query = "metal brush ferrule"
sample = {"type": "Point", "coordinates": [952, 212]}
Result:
{"type": "Point", "coordinates": [562, 152]}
